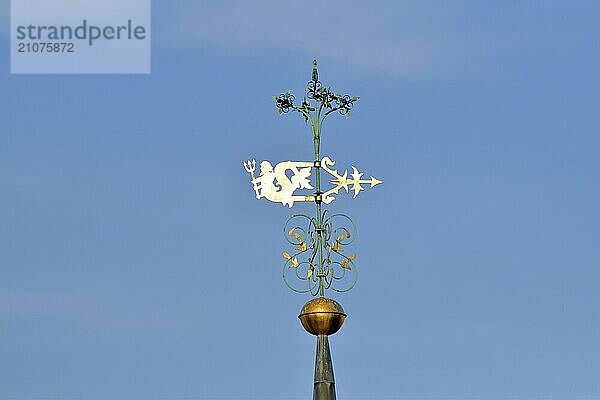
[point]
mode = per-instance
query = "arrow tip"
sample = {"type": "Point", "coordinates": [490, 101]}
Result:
{"type": "Point", "coordinates": [375, 182]}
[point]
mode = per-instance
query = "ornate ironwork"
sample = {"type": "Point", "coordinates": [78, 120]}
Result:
{"type": "Point", "coordinates": [318, 260]}
{"type": "Point", "coordinates": [326, 266]}
{"type": "Point", "coordinates": [326, 101]}
{"type": "Point", "coordinates": [337, 270]}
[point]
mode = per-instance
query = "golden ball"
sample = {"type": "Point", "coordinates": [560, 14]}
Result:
{"type": "Point", "coordinates": [322, 316]}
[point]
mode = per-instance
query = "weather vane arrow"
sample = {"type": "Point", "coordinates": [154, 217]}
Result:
{"type": "Point", "coordinates": [277, 185]}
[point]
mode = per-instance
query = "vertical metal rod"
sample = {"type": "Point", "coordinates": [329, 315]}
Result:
{"type": "Point", "coordinates": [316, 128]}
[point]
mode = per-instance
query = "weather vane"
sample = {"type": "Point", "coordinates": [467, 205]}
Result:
{"type": "Point", "coordinates": [317, 261]}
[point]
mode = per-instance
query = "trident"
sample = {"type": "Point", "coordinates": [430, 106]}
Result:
{"type": "Point", "coordinates": [250, 166]}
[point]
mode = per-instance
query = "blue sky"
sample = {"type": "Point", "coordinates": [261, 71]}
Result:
{"type": "Point", "coordinates": [136, 263]}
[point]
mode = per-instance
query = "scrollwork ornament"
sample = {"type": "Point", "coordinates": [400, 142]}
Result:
{"type": "Point", "coordinates": [302, 271]}
{"type": "Point", "coordinates": [284, 102]}
{"type": "Point", "coordinates": [324, 100]}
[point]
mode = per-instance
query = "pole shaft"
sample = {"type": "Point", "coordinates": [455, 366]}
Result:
{"type": "Point", "coordinates": [324, 388]}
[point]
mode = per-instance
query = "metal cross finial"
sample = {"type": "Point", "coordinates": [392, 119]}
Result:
{"type": "Point", "coordinates": [318, 259]}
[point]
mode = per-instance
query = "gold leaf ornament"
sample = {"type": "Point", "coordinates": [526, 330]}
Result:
{"type": "Point", "coordinates": [335, 246]}
{"type": "Point", "coordinates": [346, 262]}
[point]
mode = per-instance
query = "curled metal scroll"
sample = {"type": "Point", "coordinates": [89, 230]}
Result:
{"type": "Point", "coordinates": [342, 271]}
{"type": "Point", "coordinates": [300, 231]}
{"type": "Point", "coordinates": [318, 258]}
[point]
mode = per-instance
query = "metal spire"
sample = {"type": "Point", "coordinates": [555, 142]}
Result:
{"type": "Point", "coordinates": [318, 261]}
